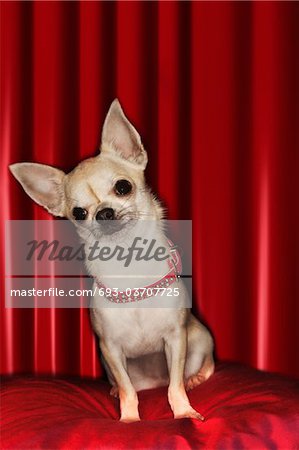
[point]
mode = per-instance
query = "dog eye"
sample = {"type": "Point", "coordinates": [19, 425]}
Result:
{"type": "Point", "coordinates": [122, 187]}
{"type": "Point", "coordinates": [79, 213]}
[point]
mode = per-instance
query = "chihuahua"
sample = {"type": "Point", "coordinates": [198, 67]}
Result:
{"type": "Point", "coordinates": [140, 348]}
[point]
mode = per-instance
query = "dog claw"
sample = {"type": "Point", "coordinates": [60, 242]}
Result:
{"type": "Point", "coordinates": [190, 414]}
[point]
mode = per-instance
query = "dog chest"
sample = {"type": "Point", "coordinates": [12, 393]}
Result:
{"type": "Point", "coordinates": [137, 331]}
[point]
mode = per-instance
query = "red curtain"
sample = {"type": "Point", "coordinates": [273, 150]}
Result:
{"type": "Point", "coordinates": [213, 89]}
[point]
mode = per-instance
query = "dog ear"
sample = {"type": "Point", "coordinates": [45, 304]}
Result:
{"type": "Point", "coordinates": [44, 184]}
{"type": "Point", "coordinates": [120, 136]}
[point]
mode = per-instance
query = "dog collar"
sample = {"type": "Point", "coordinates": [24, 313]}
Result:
{"type": "Point", "coordinates": [141, 293]}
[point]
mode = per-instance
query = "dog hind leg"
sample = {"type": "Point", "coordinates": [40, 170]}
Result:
{"type": "Point", "coordinates": [199, 362]}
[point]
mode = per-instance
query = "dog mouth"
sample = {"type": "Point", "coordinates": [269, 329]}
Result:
{"type": "Point", "coordinates": [109, 227]}
{"type": "Point", "coordinates": [119, 225]}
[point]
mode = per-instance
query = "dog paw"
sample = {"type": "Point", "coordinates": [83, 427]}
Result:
{"type": "Point", "coordinates": [114, 392]}
{"type": "Point", "coordinates": [194, 380]}
{"type": "Point", "coordinates": [189, 414]}
{"type": "Point", "coordinates": [129, 419]}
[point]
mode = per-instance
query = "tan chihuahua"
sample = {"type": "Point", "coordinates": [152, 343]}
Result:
{"type": "Point", "coordinates": [141, 348]}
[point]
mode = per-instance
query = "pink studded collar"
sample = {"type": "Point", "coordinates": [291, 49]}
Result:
{"type": "Point", "coordinates": [141, 293]}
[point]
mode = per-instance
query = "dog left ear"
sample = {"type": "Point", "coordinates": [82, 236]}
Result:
{"type": "Point", "coordinates": [44, 184]}
{"type": "Point", "coordinates": [120, 136]}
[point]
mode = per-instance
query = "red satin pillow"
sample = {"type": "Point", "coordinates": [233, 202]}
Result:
{"type": "Point", "coordinates": [244, 408]}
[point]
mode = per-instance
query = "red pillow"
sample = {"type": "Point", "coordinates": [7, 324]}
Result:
{"type": "Point", "coordinates": [244, 408]}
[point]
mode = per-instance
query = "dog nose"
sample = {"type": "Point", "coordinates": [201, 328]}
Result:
{"type": "Point", "coordinates": [105, 214]}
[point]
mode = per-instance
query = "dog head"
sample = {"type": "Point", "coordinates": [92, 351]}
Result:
{"type": "Point", "coordinates": [108, 187]}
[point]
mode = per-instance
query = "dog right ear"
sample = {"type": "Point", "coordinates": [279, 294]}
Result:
{"type": "Point", "coordinates": [44, 184]}
{"type": "Point", "coordinates": [121, 137]}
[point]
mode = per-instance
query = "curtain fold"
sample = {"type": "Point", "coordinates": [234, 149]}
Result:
{"type": "Point", "coordinates": [212, 87]}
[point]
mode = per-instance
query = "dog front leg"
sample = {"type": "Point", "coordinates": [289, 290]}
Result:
{"type": "Point", "coordinates": [116, 361]}
{"type": "Point", "coordinates": [175, 350]}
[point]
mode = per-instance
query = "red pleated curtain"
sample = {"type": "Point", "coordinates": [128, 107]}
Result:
{"type": "Point", "coordinates": [213, 89]}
